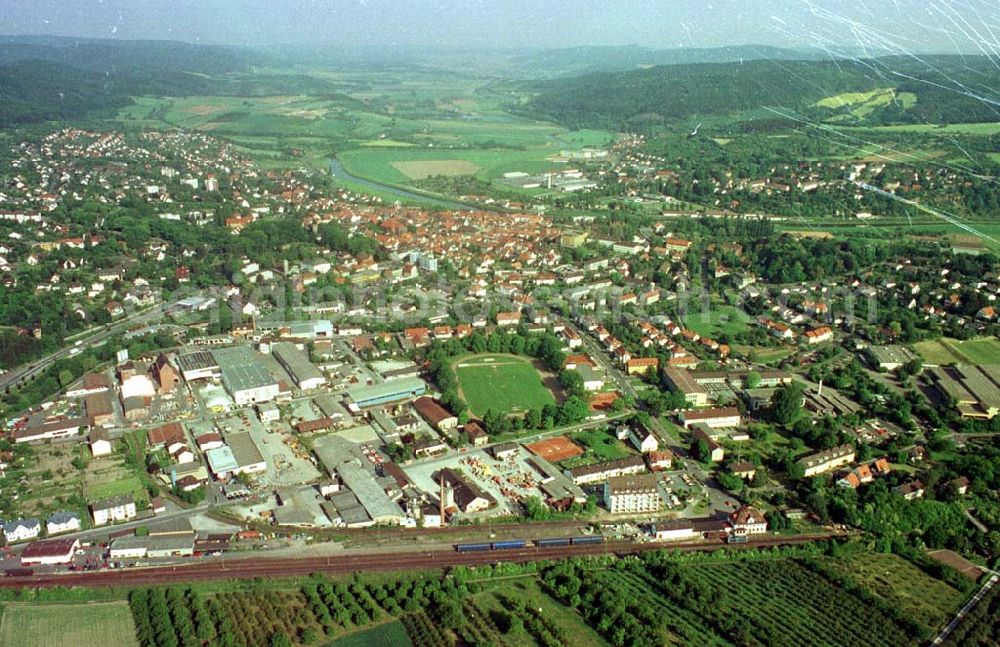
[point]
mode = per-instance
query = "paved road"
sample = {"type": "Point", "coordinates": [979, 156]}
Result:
{"type": "Point", "coordinates": [968, 607]}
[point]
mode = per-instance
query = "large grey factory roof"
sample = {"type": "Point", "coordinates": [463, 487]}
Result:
{"type": "Point", "coordinates": [157, 543]}
{"type": "Point", "coordinates": [198, 360]}
{"type": "Point", "coordinates": [371, 495]}
{"type": "Point", "coordinates": [385, 389]}
{"type": "Point", "coordinates": [241, 370]}
{"type": "Point", "coordinates": [244, 448]}
{"type": "Point", "coordinates": [296, 362]}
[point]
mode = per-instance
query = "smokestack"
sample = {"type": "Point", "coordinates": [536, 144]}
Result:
{"type": "Point", "coordinates": [820, 392]}
{"type": "Point", "coordinates": [441, 497]}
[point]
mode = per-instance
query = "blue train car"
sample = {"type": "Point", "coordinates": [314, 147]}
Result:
{"type": "Point", "coordinates": [591, 539]}
{"type": "Point", "coordinates": [509, 544]}
{"type": "Point", "coordinates": [553, 541]}
{"type": "Point", "coordinates": [468, 548]}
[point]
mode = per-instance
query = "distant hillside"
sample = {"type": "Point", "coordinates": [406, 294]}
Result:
{"type": "Point", "coordinates": [820, 89]}
{"type": "Point", "coordinates": [583, 60]}
{"type": "Point", "coordinates": [44, 78]}
{"type": "Point", "coordinates": [36, 91]}
{"type": "Point", "coordinates": [132, 57]}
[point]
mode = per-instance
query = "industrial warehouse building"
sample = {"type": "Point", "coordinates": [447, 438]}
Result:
{"type": "Point", "coordinates": [200, 365]}
{"type": "Point", "coordinates": [239, 456]}
{"type": "Point", "coordinates": [305, 375]}
{"type": "Point", "coordinates": [167, 545]}
{"type": "Point", "coordinates": [374, 395]}
{"type": "Point", "coordinates": [50, 551]}
{"type": "Point", "coordinates": [245, 377]}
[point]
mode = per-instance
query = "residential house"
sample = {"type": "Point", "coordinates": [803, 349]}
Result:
{"type": "Point", "coordinates": [21, 530]}
{"type": "Point", "coordinates": [748, 520]}
{"type": "Point", "coordinates": [819, 335]}
{"type": "Point", "coordinates": [827, 460]}
{"type": "Point", "coordinates": [100, 443]}
{"type": "Point", "coordinates": [60, 522]}
{"type": "Point", "coordinates": [699, 433]}
{"type": "Point", "coordinates": [118, 508]}
{"type": "Point", "coordinates": [641, 365]}
{"type": "Point", "coordinates": [643, 439]}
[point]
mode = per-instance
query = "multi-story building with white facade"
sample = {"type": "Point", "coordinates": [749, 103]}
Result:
{"type": "Point", "coordinates": [634, 493]}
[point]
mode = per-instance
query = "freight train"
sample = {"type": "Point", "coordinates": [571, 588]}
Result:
{"type": "Point", "coordinates": [520, 543]}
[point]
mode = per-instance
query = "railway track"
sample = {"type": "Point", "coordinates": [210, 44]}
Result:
{"type": "Point", "coordinates": [256, 567]}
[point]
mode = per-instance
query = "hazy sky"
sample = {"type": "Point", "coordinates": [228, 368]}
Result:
{"type": "Point", "coordinates": [940, 25]}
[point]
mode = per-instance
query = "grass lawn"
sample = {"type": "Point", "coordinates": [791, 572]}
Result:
{"type": "Point", "coordinates": [985, 350]}
{"type": "Point", "coordinates": [503, 383]}
{"type": "Point", "coordinates": [390, 634]}
{"type": "Point", "coordinates": [763, 354]}
{"type": "Point", "coordinates": [127, 485]}
{"type": "Point", "coordinates": [601, 444]}
{"type": "Point", "coordinates": [106, 624]}
{"type": "Point", "coordinates": [717, 320]}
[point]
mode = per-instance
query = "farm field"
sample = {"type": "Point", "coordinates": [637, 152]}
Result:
{"type": "Point", "coordinates": [881, 230]}
{"type": "Point", "coordinates": [889, 576]}
{"type": "Point", "coordinates": [986, 128]}
{"type": "Point", "coordinates": [782, 597]}
{"type": "Point", "coordinates": [717, 320]}
{"type": "Point", "coordinates": [106, 624]}
{"type": "Point", "coordinates": [503, 383]}
{"type": "Point", "coordinates": [791, 601]}
{"type": "Point", "coordinates": [985, 350]}
{"type": "Point", "coordinates": [863, 104]}
{"type": "Point", "coordinates": [390, 165]}
{"type": "Point", "coordinates": [419, 170]}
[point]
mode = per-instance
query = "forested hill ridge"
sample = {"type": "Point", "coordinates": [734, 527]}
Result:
{"type": "Point", "coordinates": [44, 79]}
{"type": "Point", "coordinates": [889, 90]}
{"type": "Point", "coordinates": [36, 91]}
{"type": "Point", "coordinates": [552, 63]}
{"type": "Point", "coordinates": [128, 56]}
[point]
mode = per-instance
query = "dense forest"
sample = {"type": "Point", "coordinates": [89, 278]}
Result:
{"type": "Point", "coordinates": [36, 91]}
{"type": "Point", "coordinates": [948, 89]}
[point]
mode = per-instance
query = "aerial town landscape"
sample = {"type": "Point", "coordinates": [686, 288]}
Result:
{"type": "Point", "coordinates": [527, 347]}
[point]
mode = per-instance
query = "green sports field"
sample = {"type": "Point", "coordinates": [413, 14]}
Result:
{"type": "Point", "coordinates": [503, 383]}
{"type": "Point", "coordinates": [106, 624]}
